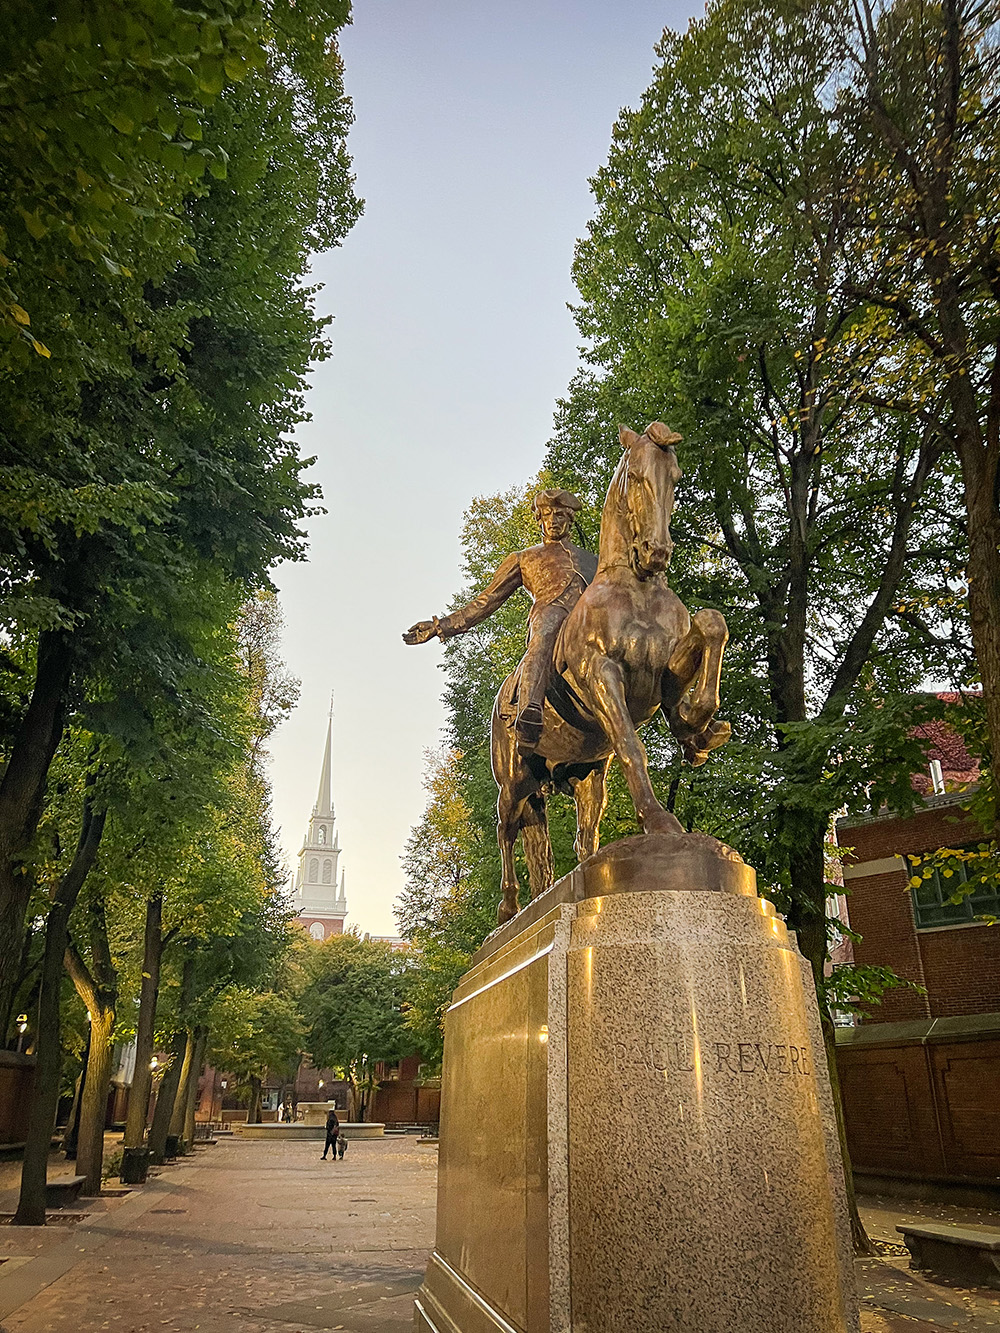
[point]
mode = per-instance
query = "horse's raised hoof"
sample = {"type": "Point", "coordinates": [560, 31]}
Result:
{"type": "Point", "coordinates": [699, 747]}
{"type": "Point", "coordinates": [663, 822]}
{"type": "Point", "coordinates": [716, 734]}
{"type": "Point", "coordinates": [506, 912]}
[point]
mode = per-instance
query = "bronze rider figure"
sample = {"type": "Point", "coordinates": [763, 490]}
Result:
{"type": "Point", "coordinates": [555, 573]}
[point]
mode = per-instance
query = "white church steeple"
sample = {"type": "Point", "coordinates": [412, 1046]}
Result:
{"type": "Point", "coordinates": [321, 909]}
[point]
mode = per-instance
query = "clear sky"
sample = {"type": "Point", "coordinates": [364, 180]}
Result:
{"type": "Point", "coordinates": [477, 128]}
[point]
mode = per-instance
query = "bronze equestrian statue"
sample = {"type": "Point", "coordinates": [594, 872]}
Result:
{"type": "Point", "coordinates": [625, 648]}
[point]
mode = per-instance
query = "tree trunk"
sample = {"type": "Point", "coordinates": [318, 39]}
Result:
{"type": "Point", "coordinates": [142, 1076]}
{"type": "Point", "coordinates": [21, 791]}
{"type": "Point", "coordinates": [94, 1105]}
{"type": "Point", "coordinates": [984, 601]}
{"type": "Point", "coordinates": [48, 1057]}
{"type": "Point", "coordinates": [860, 1239]}
{"type": "Point", "coordinates": [72, 1136]}
{"type": "Point", "coordinates": [48, 1069]}
{"type": "Point", "coordinates": [179, 1114]}
{"type": "Point", "coordinates": [166, 1098]}
{"type": "Point", "coordinates": [200, 1042]}
{"type": "Point", "coordinates": [253, 1105]}
{"type": "Point", "coordinates": [807, 917]}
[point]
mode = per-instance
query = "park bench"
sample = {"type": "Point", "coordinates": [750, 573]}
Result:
{"type": "Point", "coordinates": [967, 1255]}
{"type": "Point", "coordinates": [66, 1190]}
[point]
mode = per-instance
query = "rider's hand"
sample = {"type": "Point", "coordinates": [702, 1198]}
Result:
{"type": "Point", "coordinates": [421, 631]}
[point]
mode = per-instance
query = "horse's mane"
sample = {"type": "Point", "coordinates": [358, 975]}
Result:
{"type": "Point", "coordinates": [613, 542]}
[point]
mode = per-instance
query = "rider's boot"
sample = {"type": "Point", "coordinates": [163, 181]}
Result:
{"type": "Point", "coordinates": [528, 728]}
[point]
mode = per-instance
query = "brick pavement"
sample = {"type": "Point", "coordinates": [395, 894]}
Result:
{"type": "Point", "coordinates": [258, 1237]}
{"type": "Point", "coordinates": [263, 1237]}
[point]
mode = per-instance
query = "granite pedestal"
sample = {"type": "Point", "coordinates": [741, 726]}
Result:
{"type": "Point", "coordinates": [637, 1134]}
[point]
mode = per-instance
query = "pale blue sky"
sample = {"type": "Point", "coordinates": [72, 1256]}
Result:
{"type": "Point", "coordinates": [477, 128]}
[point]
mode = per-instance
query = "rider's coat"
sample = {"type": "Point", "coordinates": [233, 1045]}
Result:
{"type": "Point", "coordinates": [555, 573]}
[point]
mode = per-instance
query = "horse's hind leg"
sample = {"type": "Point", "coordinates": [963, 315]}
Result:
{"type": "Point", "coordinates": [508, 827]}
{"type": "Point", "coordinates": [590, 795]}
{"type": "Point", "coordinates": [537, 847]}
{"type": "Point", "coordinates": [515, 784]}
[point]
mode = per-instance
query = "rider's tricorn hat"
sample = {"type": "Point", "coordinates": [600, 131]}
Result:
{"type": "Point", "coordinates": [556, 498]}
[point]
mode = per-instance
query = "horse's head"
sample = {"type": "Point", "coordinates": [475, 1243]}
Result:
{"type": "Point", "coordinates": [651, 472]}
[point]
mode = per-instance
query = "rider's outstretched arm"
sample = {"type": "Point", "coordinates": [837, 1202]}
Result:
{"type": "Point", "coordinates": [504, 583]}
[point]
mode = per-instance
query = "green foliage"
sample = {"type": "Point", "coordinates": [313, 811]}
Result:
{"type": "Point", "coordinates": [254, 1031]}
{"type": "Point", "coordinates": [854, 989]}
{"type": "Point", "coordinates": [969, 870]}
{"type": "Point", "coordinates": [823, 525]}
{"type": "Point", "coordinates": [166, 175]}
{"type": "Point", "coordinates": [352, 1008]}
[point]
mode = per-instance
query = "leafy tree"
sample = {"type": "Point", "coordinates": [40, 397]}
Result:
{"type": "Point", "coordinates": [448, 904]}
{"type": "Point", "coordinates": [918, 105]}
{"type": "Point", "coordinates": [147, 461]}
{"type": "Point", "coordinates": [252, 1032]}
{"type": "Point", "coordinates": [352, 1011]}
{"type": "Point", "coordinates": [441, 851]}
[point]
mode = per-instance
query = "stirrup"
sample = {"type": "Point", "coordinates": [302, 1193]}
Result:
{"type": "Point", "coordinates": [528, 727]}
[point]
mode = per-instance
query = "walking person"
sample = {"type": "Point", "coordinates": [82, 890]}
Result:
{"type": "Point", "coordinates": [332, 1130]}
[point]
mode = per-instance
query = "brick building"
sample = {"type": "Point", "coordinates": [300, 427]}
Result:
{"type": "Point", "coordinates": [920, 1076]}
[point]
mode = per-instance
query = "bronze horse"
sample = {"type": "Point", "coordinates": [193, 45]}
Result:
{"type": "Point", "coordinates": [627, 648]}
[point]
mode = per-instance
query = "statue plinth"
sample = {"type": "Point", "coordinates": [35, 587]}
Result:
{"type": "Point", "coordinates": [637, 1130]}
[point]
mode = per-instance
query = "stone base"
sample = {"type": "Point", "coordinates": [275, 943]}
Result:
{"type": "Point", "coordinates": [315, 1113]}
{"type": "Point", "coordinates": [637, 1132]}
{"type": "Point", "coordinates": [350, 1130]}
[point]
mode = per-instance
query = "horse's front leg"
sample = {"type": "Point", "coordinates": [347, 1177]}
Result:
{"type": "Point", "coordinates": [590, 795]}
{"type": "Point", "coordinates": [611, 709]}
{"type": "Point", "coordinates": [691, 687]}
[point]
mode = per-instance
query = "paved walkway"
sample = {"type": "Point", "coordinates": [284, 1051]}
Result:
{"type": "Point", "coordinates": [264, 1237]}
{"type": "Point", "coordinates": [259, 1237]}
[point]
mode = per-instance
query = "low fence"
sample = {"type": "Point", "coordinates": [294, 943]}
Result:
{"type": "Point", "coordinates": [922, 1099]}
{"type": "Point", "coordinates": [404, 1103]}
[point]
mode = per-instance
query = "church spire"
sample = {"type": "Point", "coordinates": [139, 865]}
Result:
{"type": "Point", "coordinates": [320, 909]}
{"type": "Point", "coordinates": [324, 797]}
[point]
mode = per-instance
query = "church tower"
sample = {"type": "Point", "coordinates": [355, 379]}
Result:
{"type": "Point", "coordinates": [321, 905]}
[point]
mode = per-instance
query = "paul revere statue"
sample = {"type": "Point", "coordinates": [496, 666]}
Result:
{"type": "Point", "coordinates": [555, 573]}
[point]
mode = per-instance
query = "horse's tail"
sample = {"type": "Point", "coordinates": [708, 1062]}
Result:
{"type": "Point", "coordinates": [503, 743]}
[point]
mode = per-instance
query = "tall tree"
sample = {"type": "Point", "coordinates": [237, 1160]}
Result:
{"type": "Point", "coordinates": [146, 444]}
{"type": "Point", "coordinates": [919, 107]}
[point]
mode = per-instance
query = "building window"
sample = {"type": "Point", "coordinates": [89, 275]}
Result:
{"type": "Point", "coordinates": [321, 837]}
{"type": "Point", "coordinates": [930, 897]}
{"type": "Point", "coordinates": [316, 930]}
{"type": "Point", "coordinates": [314, 871]}
{"type": "Point", "coordinates": [327, 872]}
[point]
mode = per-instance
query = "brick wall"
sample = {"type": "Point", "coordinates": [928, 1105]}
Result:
{"type": "Point", "coordinates": [935, 826]}
{"type": "Point", "coordinates": [881, 911]}
{"type": "Point", "coordinates": [961, 970]}
{"type": "Point", "coordinates": [960, 965]}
